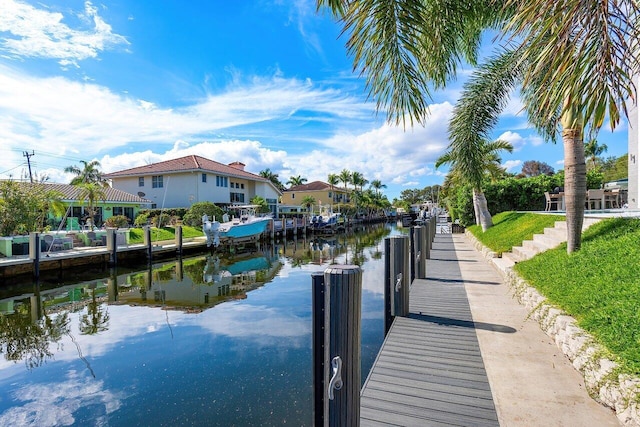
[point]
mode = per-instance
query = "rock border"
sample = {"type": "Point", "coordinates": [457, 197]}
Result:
{"type": "Point", "coordinates": [619, 392]}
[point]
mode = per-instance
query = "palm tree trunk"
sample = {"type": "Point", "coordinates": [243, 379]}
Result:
{"type": "Point", "coordinates": [575, 185]}
{"type": "Point", "coordinates": [483, 213]}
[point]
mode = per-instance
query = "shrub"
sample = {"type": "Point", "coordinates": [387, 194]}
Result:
{"type": "Point", "coordinates": [141, 220]}
{"type": "Point", "coordinates": [117, 221]}
{"type": "Point", "coordinates": [193, 217]}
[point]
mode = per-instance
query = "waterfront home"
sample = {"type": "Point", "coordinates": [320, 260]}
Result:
{"type": "Point", "coordinates": [115, 202]}
{"type": "Point", "coordinates": [179, 183]}
{"type": "Point", "coordinates": [322, 193]}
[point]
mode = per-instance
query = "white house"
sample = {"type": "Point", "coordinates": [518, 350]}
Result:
{"type": "Point", "coordinates": [179, 183]}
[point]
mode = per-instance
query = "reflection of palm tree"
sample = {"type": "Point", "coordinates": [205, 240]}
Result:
{"type": "Point", "coordinates": [23, 339]}
{"type": "Point", "coordinates": [96, 319]}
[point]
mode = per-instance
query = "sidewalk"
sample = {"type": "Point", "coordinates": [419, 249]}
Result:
{"type": "Point", "coordinates": [532, 381]}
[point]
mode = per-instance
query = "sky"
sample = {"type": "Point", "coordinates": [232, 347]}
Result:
{"type": "Point", "coordinates": [265, 82]}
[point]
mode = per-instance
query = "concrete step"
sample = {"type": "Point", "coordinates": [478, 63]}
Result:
{"type": "Point", "coordinates": [559, 234]}
{"type": "Point", "coordinates": [547, 241]}
{"type": "Point", "coordinates": [534, 245]}
{"type": "Point", "coordinates": [522, 254]}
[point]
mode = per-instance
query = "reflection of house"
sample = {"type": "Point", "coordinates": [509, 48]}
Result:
{"type": "Point", "coordinates": [179, 183]}
{"type": "Point", "coordinates": [322, 193]}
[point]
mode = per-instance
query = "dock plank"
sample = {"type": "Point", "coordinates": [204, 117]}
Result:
{"type": "Point", "coordinates": [429, 371]}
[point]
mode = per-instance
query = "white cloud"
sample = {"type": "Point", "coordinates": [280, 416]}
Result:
{"type": "Point", "coordinates": [514, 138]}
{"type": "Point", "coordinates": [39, 33]}
{"type": "Point", "coordinates": [512, 165]}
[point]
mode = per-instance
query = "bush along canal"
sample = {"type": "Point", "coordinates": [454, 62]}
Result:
{"type": "Point", "coordinates": [204, 340]}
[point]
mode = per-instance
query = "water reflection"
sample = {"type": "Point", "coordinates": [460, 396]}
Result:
{"type": "Point", "coordinates": [195, 341]}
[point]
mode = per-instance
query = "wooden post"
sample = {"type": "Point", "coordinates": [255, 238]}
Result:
{"type": "Point", "coordinates": [284, 228]}
{"type": "Point", "coordinates": [34, 253]}
{"type": "Point", "coordinates": [273, 229]}
{"type": "Point", "coordinates": [179, 270]}
{"type": "Point", "coordinates": [317, 316]}
{"type": "Point", "coordinates": [147, 242]}
{"type": "Point", "coordinates": [417, 252]}
{"type": "Point", "coordinates": [112, 247]}
{"type": "Point", "coordinates": [178, 239]}
{"type": "Point", "coordinates": [112, 285]}
{"type": "Point", "coordinates": [426, 245]}
{"type": "Point", "coordinates": [396, 275]}
{"type": "Point", "coordinates": [343, 302]}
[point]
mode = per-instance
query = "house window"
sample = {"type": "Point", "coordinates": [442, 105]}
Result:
{"type": "Point", "coordinates": [242, 186]}
{"type": "Point", "coordinates": [222, 181]}
{"type": "Point", "coordinates": [293, 196]}
{"type": "Point", "coordinates": [156, 181]}
{"type": "Point", "coordinates": [141, 181]}
{"type": "Point", "coordinates": [117, 210]}
{"type": "Point", "coordinates": [237, 197]}
{"type": "Point", "coordinates": [204, 177]}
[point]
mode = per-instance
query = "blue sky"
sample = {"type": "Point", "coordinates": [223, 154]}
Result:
{"type": "Point", "coordinates": [265, 82]}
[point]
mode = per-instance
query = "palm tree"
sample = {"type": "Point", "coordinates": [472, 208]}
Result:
{"type": "Point", "coordinates": [308, 202]}
{"type": "Point", "coordinates": [88, 173]}
{"type": "Point", "coordinates": [592, 150]}
{"type": "Point", "coordinates": [377, 185]}
{"type": "Point", "coordinates": [333, 179]}
{"type": "Point", "coordinates": [273, 177]}
{"type": "Point", "coordinates": [296, 180]}
{"type": "Point", "coordinates": [472, 169]}
{"type": "Point", "coordinates": [582, 55]}
{"type": "Point", "coordinates": [358, 180]}
{"type": "Point", "coordinates": [345, 178]}
{"type": "Point", "coordinates": [92, 192]}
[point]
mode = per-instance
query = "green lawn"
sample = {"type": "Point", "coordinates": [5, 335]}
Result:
{"type": "Point", "coordinates": [599, 285]}
{"type": "Point", "coordinates": [136, 235]}
{"type": "Point", "coordinates": [512, 228]}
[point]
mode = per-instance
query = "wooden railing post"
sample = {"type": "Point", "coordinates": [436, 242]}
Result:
{"type": "Point", "coordinates": [339, 387]}
{"type": "Point", "coordinates": [396, 275]}
{"type": "Point", "coordinates": [178, 229]}
{"type": "Point", "coordinates": [34, 253]}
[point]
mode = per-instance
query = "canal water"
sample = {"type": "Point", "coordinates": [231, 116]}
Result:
{"type": "Point", "coordinates": [201, 341]}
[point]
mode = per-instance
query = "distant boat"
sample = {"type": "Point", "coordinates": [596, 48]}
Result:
{"type": "Point", "coordinates": [326, 219]}
{"type": "Point", "coordinates": [247, 225]}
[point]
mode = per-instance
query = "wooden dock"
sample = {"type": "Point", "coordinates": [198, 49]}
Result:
{"type": "Point", "coordinates": [429, 371]}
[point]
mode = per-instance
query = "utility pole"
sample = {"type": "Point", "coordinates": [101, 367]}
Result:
{"type": "Point", "coordinates": [28, 156]}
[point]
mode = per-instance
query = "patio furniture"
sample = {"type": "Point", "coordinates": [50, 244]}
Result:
{"type": "Point", "coordinates": [612, 197]}
{"type": "Point", "coordinates": [595, 197]}
{"type": "Point", "coordinates": [52, 244]}
{"type": "Point", "coordinates": [93, 240]}
{"type": "Point", "coordinates": [552, 199]}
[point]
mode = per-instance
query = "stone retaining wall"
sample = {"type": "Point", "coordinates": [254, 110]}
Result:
{"type": "Point", "coordinates": [616, 391]}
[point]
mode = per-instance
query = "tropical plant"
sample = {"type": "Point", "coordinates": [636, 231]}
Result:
{"type": "Point", "coordinates": [333, 180]}
{"type": "Point", "coordinates": [92, 193]}
{"type": "Point", "coordinates": [345, 177]}
{"type": "Point", "coordinates": [308, 202]}
{"type": "Point", "coordinates": [593, 150]}
{"type": "Point", "coordinates": [261, 203]}
{"type": "Point", "coordinates": [193, 217]}
{"type": "Point", "coordinates": [24, 206]}
{"type": "Point", "coordinates": [296, 180]}
{"type": "Point", "coordinates": [575, 61]}
{"type": "Point", "coordinates": [117, 221]}
{"type": "Point", "coordinates": [273, 177]}
{"type": "Point", "coordinates": [377, 185]}
{"type": "Point", "coordinates": [471, 168]}
{"type": "Point", "coordinates": [88, 174]}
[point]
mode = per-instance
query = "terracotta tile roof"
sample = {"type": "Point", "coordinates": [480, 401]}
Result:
{"type": "Point", "coordinates": [315, 186]}
{"type": "Point", "coordinates": [72, 193]}
{"type": "Point", "coordinates": [188, 164]}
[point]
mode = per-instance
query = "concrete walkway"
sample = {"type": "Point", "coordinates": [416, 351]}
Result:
{"type": "Point", "coordinates": [532, 381]}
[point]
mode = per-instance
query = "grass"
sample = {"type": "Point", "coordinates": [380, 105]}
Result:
{"type": "Point", "coordinates": [136, 235]}
{"type": "Point", "coordinates": [599, 285]}
{"type": "Point", "coordinates": [512, 228]}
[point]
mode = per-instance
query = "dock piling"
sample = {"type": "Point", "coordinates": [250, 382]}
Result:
{"type": "Point", "coordinates": [396, 274]}
{"type": "Point", "coordinates": [34, 253]}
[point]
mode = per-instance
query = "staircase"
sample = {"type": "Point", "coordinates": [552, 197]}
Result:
{"type": "Point", "coordinates": [551, 238]}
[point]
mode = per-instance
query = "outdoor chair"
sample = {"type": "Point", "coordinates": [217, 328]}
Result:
{"type": "Point", "coordinates": [93, 240]}
{"type": "Point", "coordinates": [612, 198]}
{"type": "Point", "coordinates": [595, 197]}
{"type": "Point", "coordinates": [551, 200]}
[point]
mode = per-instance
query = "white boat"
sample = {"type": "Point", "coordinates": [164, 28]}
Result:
{"type": "Point", "coordinates": [326, 219]}
{"type": "Point", "coordinates": [244, 225]}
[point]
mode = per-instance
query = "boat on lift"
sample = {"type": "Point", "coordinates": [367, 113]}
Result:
{"type": "Point", "coordinates": [245, 224]}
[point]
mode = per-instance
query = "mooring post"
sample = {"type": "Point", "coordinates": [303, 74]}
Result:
{"type": "Point", "coordinates": [272, 231]}
{"type": "Point", "coordinates": [426, 246]}
{"type": "Point", "coordinates": [179, 270]}
{"type": "Point", "coordinates": [178, 239]}
{"type": "Point", "coordinates": [418, 251]}
{"type": "Point", "coordinates": [434, 225]}
{"type": "Point", "coordinates": [317, 315]}
{"type": "Point", "coordinates": [112, 285]}
{"type": "Point", "coordinates": [147, 242]}
{"type": "Point", "coordinates": [396, 274]}
{"type": "Point", "coordinates": [112, 247]}
{"type": "Point", "coordinates": [339, 388]}
{"type": "Point", "coordinates": [34, 253]}
{"type": "Point", "coordinates": [284, 228]}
